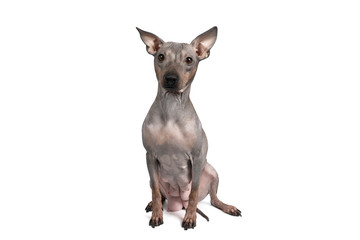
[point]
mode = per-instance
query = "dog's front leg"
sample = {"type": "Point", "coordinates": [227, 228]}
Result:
{"type": "Point", "coordinates": [189, 220]}
{"type": "Point", "coordinates": [153, 168]}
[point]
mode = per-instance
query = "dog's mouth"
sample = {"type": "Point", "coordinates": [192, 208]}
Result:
{"type": "Point", "coordinates": [171, 88]}
{"type": "Point", "coordinates": [176, 90]}
{"type": "Point", "coordinates": [172, 83]}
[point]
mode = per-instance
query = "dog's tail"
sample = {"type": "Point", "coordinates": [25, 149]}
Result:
{"type": "Point", "coordinates": [202, 214]}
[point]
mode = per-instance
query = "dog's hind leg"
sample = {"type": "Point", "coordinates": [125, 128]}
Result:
{"type": "Point", "coordinates": [149, 206]}
{"type": "Point", "coordinates": [211, 177]}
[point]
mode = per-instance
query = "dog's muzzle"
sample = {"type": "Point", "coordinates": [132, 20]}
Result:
{"type": "Point", "coordinates": [170, 81]}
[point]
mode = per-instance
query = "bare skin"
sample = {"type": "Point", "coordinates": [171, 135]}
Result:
{"type": "Point", "coordinates": [172, 133]}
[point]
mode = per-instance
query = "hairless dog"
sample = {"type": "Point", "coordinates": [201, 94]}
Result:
{"type": "Point", "coordinates": [172, 134]}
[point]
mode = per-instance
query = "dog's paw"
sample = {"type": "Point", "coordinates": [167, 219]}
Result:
{"type": "Point", "coordinates": [156, 219]}
{"type": "Point", "coordinates": [149, 207]}
{"type": "Point", "coordinates": [189, 220]}
{"type": "Point", "coordinates": [231, 210]}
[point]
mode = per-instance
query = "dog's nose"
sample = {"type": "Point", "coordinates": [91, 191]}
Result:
{"type": "Point", "coordinates": [171, 80]}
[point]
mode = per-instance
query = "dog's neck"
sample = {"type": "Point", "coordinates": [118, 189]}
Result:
{"type": "Point", "coordinates": [173, 105]}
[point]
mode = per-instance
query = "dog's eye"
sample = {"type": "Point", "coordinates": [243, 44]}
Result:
{"type": "Point", "coordinates": [161, 57]}
{"type": "Point", "coordinates": [188, 60]}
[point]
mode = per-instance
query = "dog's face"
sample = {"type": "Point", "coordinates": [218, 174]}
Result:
{"type": "Point", "coordinates": [176, 63]}
{"type": "Point", "coordinates": [175, 66]}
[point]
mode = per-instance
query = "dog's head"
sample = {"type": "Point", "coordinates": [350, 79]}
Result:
{"type": "Point", "coordinates": [176, 63]}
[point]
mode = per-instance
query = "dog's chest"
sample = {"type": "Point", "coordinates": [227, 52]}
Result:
{"type": "Point", "coordinates": [169, 136]}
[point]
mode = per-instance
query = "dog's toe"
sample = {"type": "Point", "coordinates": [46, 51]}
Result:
{"type": "Point", "coordinates": [154, 222]}
{"type": "Point", "coordinates": [234, 211]}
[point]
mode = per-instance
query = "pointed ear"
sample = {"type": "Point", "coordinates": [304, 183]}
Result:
{"type": "Point", "coordinates": [204, 42]}
{"type": "Point", "coordinates": [152, 42]}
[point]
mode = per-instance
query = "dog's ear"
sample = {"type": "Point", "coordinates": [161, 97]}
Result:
{"type": "Point", "coordinates": [204, 42]}
{"type": "Point", "coordinates": [152, 42]}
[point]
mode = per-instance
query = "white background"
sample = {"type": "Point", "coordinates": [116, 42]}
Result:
{"type": "Point", "coordinates": [278, 98]}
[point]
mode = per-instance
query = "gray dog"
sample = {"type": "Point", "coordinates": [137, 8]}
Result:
{"type": "Point", "coordinates": [172, 134]}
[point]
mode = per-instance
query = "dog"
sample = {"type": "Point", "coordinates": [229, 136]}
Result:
{"type": "Point", "coordinates": [172, 134]}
